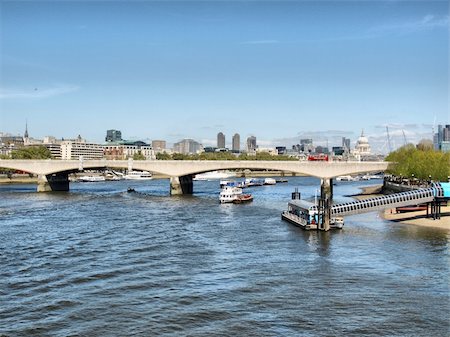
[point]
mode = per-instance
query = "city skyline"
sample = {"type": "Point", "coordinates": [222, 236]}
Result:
{"type": "Point", "coordinates": [279, 71]}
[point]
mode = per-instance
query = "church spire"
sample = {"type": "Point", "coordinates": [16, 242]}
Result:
{"type": "Point", "coordinates": [26, 130]}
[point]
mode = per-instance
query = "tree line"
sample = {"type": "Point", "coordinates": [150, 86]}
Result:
{"type": "Point", "coordinates": [421, 162]}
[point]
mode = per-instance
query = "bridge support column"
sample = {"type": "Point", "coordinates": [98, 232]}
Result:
{"type": "Point", "coordinates": [181, 185]}
{"type": "Point", "coordinates": [53, 182]}
{"type": "Point", "coordinates": [326, 196]}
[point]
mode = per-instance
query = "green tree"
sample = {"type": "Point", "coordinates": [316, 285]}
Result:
{"type": "Point", "coordinates": [421, 162]}
{"type": "Point", "coordinates": [163, 156]}
{"type": "Point", "coordinates": [32, 152]}
{"type": "Point", "coordinates": [180, 156]}
{"type": "Point", "coordinates": [138, 156]}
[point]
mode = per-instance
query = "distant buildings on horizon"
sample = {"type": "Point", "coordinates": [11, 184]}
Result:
{"type": "Point", "coordinates": [115, 147]}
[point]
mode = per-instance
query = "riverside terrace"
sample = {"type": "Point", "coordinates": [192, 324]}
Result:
{"type": "Point", "coordinates": [53, 174]}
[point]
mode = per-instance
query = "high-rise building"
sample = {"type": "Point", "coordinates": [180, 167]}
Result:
{"type": "Point", "coordinates": [442, 138]}
{"type": "Point", "coordinates": [346, 144]}
{"type": "Point", "coordinates": [113, 136]}
{"type": "Point", "coordinates": [220, 140]}
{"type": "Point", "coordinates": [251, 144]}
{"type": "Point", "coordinates": [159, 145]}
{"type": "Point", "coordinates": [236, 146]}
{"type": "Point", "coordinates": [306, 145]}
{"type": "Point", "coordinates": [187, 146]}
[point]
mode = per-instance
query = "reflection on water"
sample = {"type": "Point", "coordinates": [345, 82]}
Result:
{"type": "Point", "coordinates": [98, 261]}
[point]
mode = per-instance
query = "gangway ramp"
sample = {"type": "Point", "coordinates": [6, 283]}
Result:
{"type": "Point", "coordinates": [409, 198]}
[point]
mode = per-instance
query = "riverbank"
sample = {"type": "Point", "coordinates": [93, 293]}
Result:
{"type": "Point", "coordinates": [417, 218]}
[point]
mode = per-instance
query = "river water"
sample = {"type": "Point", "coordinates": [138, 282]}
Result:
{"type": "Point", "coordinates": [98, 261]}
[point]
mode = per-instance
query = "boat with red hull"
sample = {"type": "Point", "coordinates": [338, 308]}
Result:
{"type": "Point", "coordinates": [243, 198]}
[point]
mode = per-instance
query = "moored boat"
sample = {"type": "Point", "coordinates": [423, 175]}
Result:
{"type": "Point", "coordinates": [231, 183]}
{"type": "Point", "coordinates": [138, 175]}
{"type": "Point", "coordinates": [345, 178]}
{"type": "Point", "coordinates": [308, 215]}
{"type": "Point", "coordinates": [253, 182]}
{"type": "Point", "coordinates": [214, 175]}
{"type": "Point", "coordinates": [269, 181]}
{"type": "Point", "coordinates": [240, 199]}
{"type": "Point", "coordinates": [91, 179]}
{"type": "Point", "coordinates": [233, 194]}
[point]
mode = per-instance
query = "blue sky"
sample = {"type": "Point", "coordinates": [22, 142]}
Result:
{"type": "Point", "coordinates": [278, 70]}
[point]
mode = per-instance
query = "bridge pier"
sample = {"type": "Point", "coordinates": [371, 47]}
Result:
{"type": "Point", "coordinates": [181, 185]}
{"type": "Point", "coordinates": [53, 182]}
{"type": "Point", "coordinates": [326, 197]}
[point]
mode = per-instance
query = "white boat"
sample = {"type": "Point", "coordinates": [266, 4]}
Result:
{"type": "Point", "coordinates": [214, 175]}
{"type": "Point", "coordinates": [269, 181]}
{"type": "Point", "coordinates": [231, 183]}
{"type": "Point", "coordinates": [345, 178]}
{"type": "Point", "coordinates": [307, 215]}
{"type": "Point", "coordinates": [253, 182]}
{"type": "Point", "coordinates": [337, 222]}
{"type": "Point", "coordinates": [113, 175]}
{"type": "Point", "coordinates": [91, 179]}
{"type": "Point", "coordinates": [138, 175]}
{"type": "Point", "coordinates": [230, 194]}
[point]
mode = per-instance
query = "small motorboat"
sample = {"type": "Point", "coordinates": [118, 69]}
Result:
{"type": "Point", "coordinates": [243, 198]}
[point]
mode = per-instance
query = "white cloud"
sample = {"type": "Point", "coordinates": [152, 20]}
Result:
{"type": "Point", "coordinates": [37, 92]}
{"type": "Point", "coordinates": [428, 22]}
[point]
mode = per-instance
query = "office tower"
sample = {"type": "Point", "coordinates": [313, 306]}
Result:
{"type": "Point", "coordinates": [158, 145]}
{"type": "Point", "coordinates": [187, 146]}
{"type": "Point", "coordinates": [346, 144]}
{"type": "Point", "coordinates": [220, 140]}
{"type": "Point", "coordinates": [236, 146]}
{"type": "Point", "coordinates": [113, 136]}
{"type": "Point", "coordinates": [251, 144]}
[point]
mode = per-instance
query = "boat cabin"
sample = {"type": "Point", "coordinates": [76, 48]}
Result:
{"type": "Point", "coordinates": [303, 213]}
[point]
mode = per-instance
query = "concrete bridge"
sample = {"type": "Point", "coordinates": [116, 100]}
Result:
{"type": "Point", "coordinates": [53, 174]}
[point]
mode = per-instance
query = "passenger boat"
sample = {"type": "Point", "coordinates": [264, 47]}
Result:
{"type": "Point", "coordinates": [306, 215]}
{"type": "Point", "coordinates": [345, 178]}
{"type": "Point", "coordinates": [91, 179]}
{"type": "Point", "coordinates": [253, 182]}
{"type": "Point", "coordinates": [214, 175]}
{"type": "Point", "coordinates": [138, 175]}
{"type": "Point", "coordinates": [231, 194]}
{"type": "Point", "coordinates": [231, 183]}
{"type": "Point", "coordinates": [302, 213]}
{"type": "Point", "coordinates": [269, 181]}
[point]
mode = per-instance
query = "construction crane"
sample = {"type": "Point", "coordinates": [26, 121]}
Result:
{"type": "Point", "coordinates": [388, 139]}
